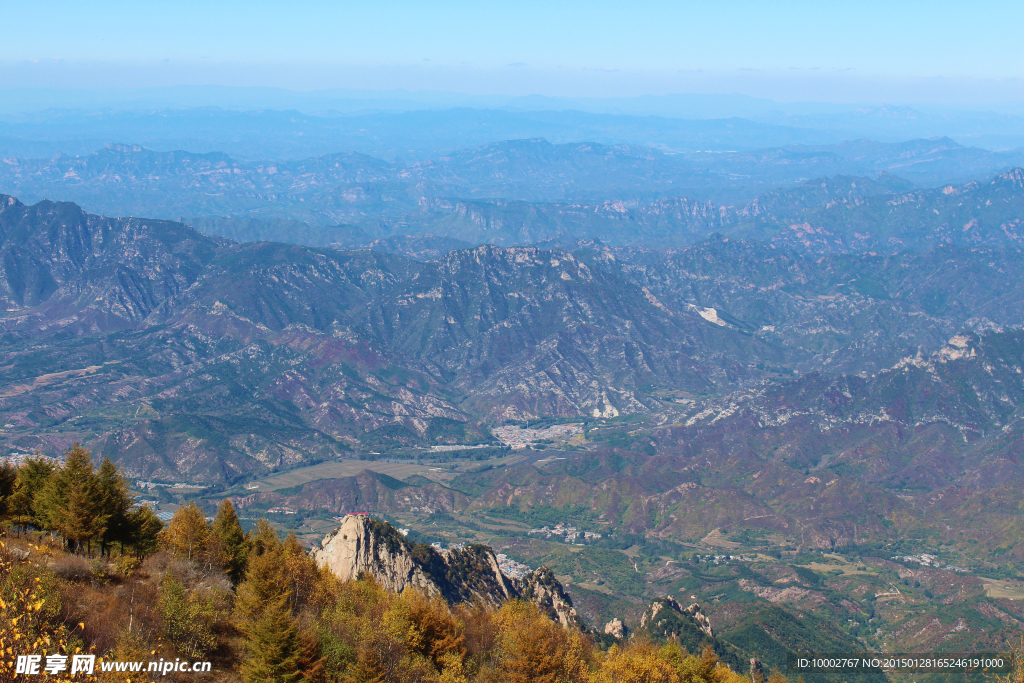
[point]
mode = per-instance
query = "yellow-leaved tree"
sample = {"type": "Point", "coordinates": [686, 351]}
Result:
{"type": "Point", "coordinates": [533, 649]}
{"type": "Point", "coordinates": [25, 626]}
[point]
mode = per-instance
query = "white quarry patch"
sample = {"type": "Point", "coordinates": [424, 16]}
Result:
{"type": "Point", "coordinates": [948, 353]}
{"type": "Point", "coordinates": [917, 361]}
{"type": "Point", "coordinates": [777, 419]}
{"type": "Point", "coordinates": [726, 412]}
{"type": "Point", "coordinates": [709, 314]}
{"type": "Point", "coordinates": [609, 409]}
{"type": "Point", "coordinates": [960, 341]}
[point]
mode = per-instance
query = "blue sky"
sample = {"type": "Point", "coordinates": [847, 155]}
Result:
{"type": "Point", "coordinates": [930, 51]}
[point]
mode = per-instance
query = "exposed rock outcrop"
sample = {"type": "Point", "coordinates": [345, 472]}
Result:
{"type": "Point", "coordinates": [616, 629]}
{"type": "Point", "coordinates": [542, 588]}
{"type": "Point", "coordinates": [666, 612]}
{"type": "Point", "coordinates": [667, 619]}
{"type": "Point", "coordinates": [757, 673]}
{"type": "Point", "coordinates": [365, 545]}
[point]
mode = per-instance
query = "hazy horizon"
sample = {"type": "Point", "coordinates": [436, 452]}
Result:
{"type": "Point", "coordinates": [910, 53]}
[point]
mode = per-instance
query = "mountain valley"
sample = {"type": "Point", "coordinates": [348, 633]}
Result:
{"type": "Point", "coordinates": [810, 404]}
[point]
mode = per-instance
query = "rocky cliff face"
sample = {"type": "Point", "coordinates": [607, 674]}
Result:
{"type": "Point", "coordinates": [662, 612]}
{"type": "Point", "coordinates": [667, 619]}
{"type": "Point", "coordinates": [616, 629]}
{"type": "Point", "coordinates": [364, 545]}
{"type": "Point", "coordinates": [541, 587]}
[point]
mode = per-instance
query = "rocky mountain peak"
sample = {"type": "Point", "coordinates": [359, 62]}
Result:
{"type": "Point", "coordinates": [616, 629]}
{"type": "Point", "coordinates": [363, 545]}
{"type": "Point", "coordinates": [1013, 177]}
{"type": "Point", "coordinates": [541, 587]}
{"type": "Point", "coordinates": [665, 614]}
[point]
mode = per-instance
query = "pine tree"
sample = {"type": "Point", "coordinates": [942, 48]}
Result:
{"type": "Point", "coordinates": [263, 538]}
{"type": "Point", "coordinates": [144, 529]}
{"type": "Point", "coordinates": [265, 579]}
{"type": "Point", "coordinates": [8, 478]}
{"type": "Point", "coordinates": [234, 548]}
{"type": "Point", "coordinates": [32, 477]}
{"type": "Point", "coordinates": [301, 574]}
{"type": "Point", "coordinates": [188, 535]}
{"type": "Point", "coordinates": [115, 503]}
{"type": "Point", "coordinates": [79, 519]}
{"type": "Point", "coordinates": [69, 502]}
{"type": "Point", "coordinates": [273, 643]}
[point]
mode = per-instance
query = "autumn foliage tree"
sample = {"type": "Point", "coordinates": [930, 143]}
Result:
{"type": "Point", "coordinates": [188, 536]}
{"type": "Point", "coordinates": [77, 502]}
{"type": "Point", "coordinates": [26, 622]}
{"type": "Point", "coordinates": [30, 479]}
{"type": "Point", "coordinates": [534, 649]}
{"type": "Point", "coordinates": [188, 618]}
{"type": "Point", "coordinates": [263, 614]}
{"type": "Point", "coordinates": [231, 538]}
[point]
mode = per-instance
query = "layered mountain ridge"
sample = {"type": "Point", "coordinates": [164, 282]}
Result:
{"type": "Point", "coordinates": [799, 394]}
{"type": "Point", "coordinates": [329, 347]}
{"type": "Point", "coordinates": [527, 191]}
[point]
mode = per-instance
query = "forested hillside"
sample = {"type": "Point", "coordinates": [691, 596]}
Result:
{"type": "Point", "coordinates": [82, 570]}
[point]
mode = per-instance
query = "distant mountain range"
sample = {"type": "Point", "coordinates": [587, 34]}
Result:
{"type": "Point", "coordinates": [261, 124]}
{"type": "Point", "coordinates": [189, 357]}
{"type": "Point", "coordinates": [729, 391]}
{"type": "Point", "coordinates": [581, 189]}
{"type": "Point", "coordinates": [784, 382]}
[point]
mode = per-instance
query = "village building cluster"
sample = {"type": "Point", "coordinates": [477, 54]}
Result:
{"type": "Point", "coordinates": [150, 485]}
{"type": "Point", "coordinates": [511, 568]}
{"type": "Point", "coordinates": [927, 560]}
{"type": "Point", "coordinates": [17, 458]}
{"type": "Point", "coordinates": [718, 559]}
{"type": "Point", "coordinates": [521, 437]}
{"type": "Point", "coordinates": [571, 533]}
